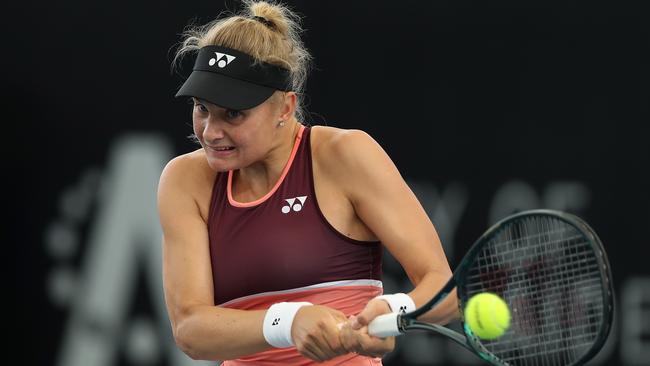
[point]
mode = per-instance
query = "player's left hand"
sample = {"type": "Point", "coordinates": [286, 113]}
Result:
{"type": "Point", "coordinates": [354, 334]}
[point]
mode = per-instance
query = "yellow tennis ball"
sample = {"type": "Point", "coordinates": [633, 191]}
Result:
{"type": "Point", "coordinates": [487, 315]}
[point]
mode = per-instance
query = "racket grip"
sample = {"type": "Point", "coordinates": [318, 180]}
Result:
{"type": "Point", "coordinates": [384, 326]}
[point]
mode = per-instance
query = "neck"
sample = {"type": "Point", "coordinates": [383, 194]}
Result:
{"type": "Point", "coordinates": [259, 178]}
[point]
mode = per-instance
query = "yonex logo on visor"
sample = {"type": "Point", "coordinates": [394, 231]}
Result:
{"type": "Point", "coordinates": [222, 60]}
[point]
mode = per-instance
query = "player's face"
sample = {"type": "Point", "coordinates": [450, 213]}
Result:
{"type": "Point", "coordinates": [235, 139]}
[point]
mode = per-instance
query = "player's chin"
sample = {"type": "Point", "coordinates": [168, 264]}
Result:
{"type": "Point", "coordinates": [223, 164]}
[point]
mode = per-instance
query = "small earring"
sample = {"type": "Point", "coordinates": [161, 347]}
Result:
{"type": "Point", "coordinates": [281, 124]}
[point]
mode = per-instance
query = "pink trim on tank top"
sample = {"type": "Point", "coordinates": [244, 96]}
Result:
{"type": "Point", "coordinates": [231, 199]}
{"type": "Point", "coordinates": [332, 285]}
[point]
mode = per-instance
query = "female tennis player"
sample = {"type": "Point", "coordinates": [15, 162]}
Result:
{"type": "Point", "coordinates": [273, 231]}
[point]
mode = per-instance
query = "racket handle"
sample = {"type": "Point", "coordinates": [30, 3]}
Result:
{"type": "Point", "coordinates": [384, 326]}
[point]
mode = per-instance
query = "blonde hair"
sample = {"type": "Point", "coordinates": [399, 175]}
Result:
{"type": "Point", "coordinates": [276, 41]}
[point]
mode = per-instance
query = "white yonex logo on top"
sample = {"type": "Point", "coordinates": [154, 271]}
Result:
{"type": "Point", "coordinates": [222, 59]}
{"type": "Point", "coordinates": [292, 204]}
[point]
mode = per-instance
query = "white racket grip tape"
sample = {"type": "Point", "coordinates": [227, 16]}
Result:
{"type": "Point", "coordinates": [399, 302]}
{"type": "Point", "coordinates": [384, 326]}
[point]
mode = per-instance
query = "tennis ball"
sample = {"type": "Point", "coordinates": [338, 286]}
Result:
{"type": "Point", "coordinates": [487, 315]}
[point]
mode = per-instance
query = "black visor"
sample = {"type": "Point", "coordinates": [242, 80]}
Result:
{"type": "Point", "coordinates": [232, 79]}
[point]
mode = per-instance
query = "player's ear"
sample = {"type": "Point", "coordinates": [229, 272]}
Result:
{"type": "Point", "coordinates": [287, 103]}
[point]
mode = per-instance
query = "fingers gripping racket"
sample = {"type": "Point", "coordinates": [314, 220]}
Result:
{"type": "Point", "coordinates": [551, 270]}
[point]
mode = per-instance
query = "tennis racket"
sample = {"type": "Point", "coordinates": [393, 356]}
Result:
{"type": "Point", "coordinates": [552, 271]}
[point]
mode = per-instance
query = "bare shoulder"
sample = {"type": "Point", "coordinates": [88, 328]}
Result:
{"type": "Point", "coordinates": [338, 147]}
{"type": "Point", "coordinates": [336, 143]}
{"type": "Point", "coordinates": [187, 174]}
{"type": "Point", "coordinates": [191, 167]}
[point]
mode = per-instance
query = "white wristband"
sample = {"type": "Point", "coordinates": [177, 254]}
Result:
{"type": "Point", "coordinates": [277, 323]}
{"type": "Point", "coordinates": [399, 303]}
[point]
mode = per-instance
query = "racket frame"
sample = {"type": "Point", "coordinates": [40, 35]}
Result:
{"type": "Point", "coordinates": [408, 322]}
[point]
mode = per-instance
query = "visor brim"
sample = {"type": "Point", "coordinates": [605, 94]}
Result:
{"type": "Point", "coordinates": [224, 91]}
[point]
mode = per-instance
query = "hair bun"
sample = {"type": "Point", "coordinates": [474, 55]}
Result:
{"type": "Point", "coordinates": [276, 16]}
{"type": "Point", "coordinates": [265, 21]}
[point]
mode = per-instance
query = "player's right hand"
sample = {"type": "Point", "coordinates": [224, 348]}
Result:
{"type": "Point", "coordinates": [315, 332]}
{"type": "Point", "coordinates": [355, 337]}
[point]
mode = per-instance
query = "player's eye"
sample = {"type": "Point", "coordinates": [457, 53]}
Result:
{"type": "Point", "coordinates": [232, 114]}
{"type": "Point", "coordinates": [200, 107]}
{"type": "Point", "coordinates": [197, 105]}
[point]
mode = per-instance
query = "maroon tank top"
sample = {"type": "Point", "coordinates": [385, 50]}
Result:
{"type": "Point", "coordinates": [281, 241]}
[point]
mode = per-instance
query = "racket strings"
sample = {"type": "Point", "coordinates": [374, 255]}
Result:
{"type": "Point", "coordinates": [581, 275]}
{"type": "Point", "coordinates": [548, 273]}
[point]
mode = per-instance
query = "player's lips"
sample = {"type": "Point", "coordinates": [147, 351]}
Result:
{"type": "Point", "coordinates": [221, 150]}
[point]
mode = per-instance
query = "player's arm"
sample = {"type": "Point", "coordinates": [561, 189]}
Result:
{"type": "Point", "coordinates": [384, 202]}
{"type": "Point", "coordinates": [201, 329]}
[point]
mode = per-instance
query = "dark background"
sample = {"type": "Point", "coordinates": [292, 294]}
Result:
{"type": "Point", "coordinates": [501, 102]}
